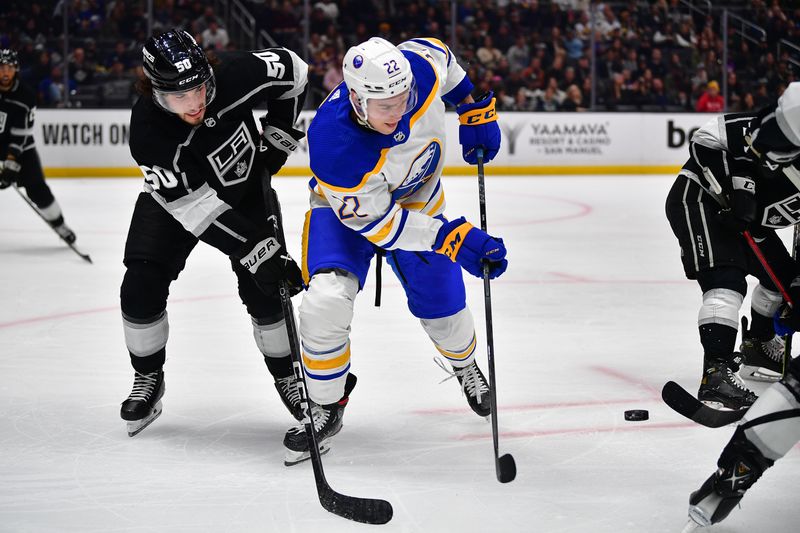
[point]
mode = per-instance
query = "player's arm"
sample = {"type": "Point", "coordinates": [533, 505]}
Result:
{"type": "Point", "coordinates": [20, 128]}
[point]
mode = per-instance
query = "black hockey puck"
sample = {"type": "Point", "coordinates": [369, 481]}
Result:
{"type": "Point", "coordinates": [637, 415]}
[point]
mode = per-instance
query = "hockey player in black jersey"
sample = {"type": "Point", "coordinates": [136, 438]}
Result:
{"type": "Point", "coordinates": [742, 175]}
{"type": "Point", "coordinates": [203, 158]}
{"type": "Point", "coordinates": [19, 160]}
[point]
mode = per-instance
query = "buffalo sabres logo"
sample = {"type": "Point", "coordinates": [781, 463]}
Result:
{"type": "Point", "coordinates": [210, 122]}
{"type": "Point", "coordinates": [399, 136]}
{"type": "Point", "coordinates": [420, 170]}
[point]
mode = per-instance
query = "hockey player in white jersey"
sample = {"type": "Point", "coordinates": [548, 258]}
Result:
{"type": "Point", "coordinates": [376, 148]}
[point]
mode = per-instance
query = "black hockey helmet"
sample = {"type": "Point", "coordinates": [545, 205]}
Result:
{"type": "Point", "coordinates": [174, 63]}
{"type": "Point", "coordinates": [9, 57]}
{"type": "Point", "coordinates": [773, 134]}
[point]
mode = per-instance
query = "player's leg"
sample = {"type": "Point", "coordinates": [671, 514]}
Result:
{"type": "Point", "coordinates": [716, 258]}
{"type": "Point", "coordinates": [272, 339]}
{"type": "Point", "coordinates": [336, 259]}
{"type": "Point", "coordinates": [767, 432]}
{"type": "Point", "coordinates": [155, 253]}
{"type": "Point", "coordinates": [435, 292]}
{"type": "Point", "coordinates": [32, 179]}
{"type": "Point", "coordinates": [762, 350]}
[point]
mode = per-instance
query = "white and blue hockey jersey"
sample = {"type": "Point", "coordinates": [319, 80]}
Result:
{"type": "Point", "coordinates": [387, 187]}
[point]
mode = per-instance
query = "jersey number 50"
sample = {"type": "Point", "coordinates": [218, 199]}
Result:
{"type": "Point", "coordinates": [158, 177]}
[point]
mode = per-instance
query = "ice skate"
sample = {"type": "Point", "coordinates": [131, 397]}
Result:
{"type": "Point", "coordinates": [287, 390]}
{"type": "Point", "coordinates": [64, 231]}
{"type": "Point", "coordinates": [143, 405]}
{"type": "Point", "coordinates": [721, 387]}
{"type": "Point", "coordinates": [473, 385]}
{"type": "Point", "coordinates": [761, 360]}
{"type": "Point", "coordinates": [740, 466]}
{"type": "Point", "coordinates": [327, 423]}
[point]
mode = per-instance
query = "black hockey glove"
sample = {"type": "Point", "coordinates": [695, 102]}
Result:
{"type": "Point", "coordinates": [788, 318]}
{"type": "Point", "coordinates": [269, 263]}
{"type": "Point", "coordinates": [741, 212]}
{"type": "Point", "coordinates": [9, 173]}
{"type": "Point", "coordinates": [278, 141]}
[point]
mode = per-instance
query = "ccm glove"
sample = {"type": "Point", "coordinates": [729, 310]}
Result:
{"type": "Point", "coordinates": [269, 263]}
{"type": "Point", "coordinates": [743, 206]}
{"type": "Point", "coordinates": [461, 241]}
{"type": "Point", "coordinates": [278, 141]}
{"type": "Point", "coordinates": [478, 129]}
{"type": "Point", "coordinates": [9, 173]}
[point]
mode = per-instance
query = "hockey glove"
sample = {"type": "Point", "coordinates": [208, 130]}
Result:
{"type": "Point", "coordinates": [471, 247]}
{"type": "Point", "coordinates": [787, 319]}
{"type": "Point", "coordinates": [9, 173]}
{"type": "Point", "coordinates": [478, 129]}
{"type": "Point", "coordinates": [278, 141]}
{"type": "Point", "coordinates": [743, 206]}
{"type": "Point", "coordinates": [269, 263]}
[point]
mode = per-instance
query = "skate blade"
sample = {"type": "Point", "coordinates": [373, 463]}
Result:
{"type": "Point", "coordinates": [756, 373]}
{"type": "Point", "coordinates": [136, 426]}
{"type": "Point", "coordinates": [293, 458]}
{"type": "Point", "coordinates": [690, 526]}
{"type": "Point", "coordinates": [698, 517]}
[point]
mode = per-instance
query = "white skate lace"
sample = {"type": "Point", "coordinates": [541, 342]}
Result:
{"type": "Point", "coordinates": [471, 382]}
{"type": "Point", "coordinates": [320, 415]}
{"type": "Point", "coordinates": [288, 387]}
{"type": "Point", "coordinates": [143, 386]}
{"type": "Point", "coordinates": [774, 348]}
{"type": "Point", "coordinates": [736, 381]}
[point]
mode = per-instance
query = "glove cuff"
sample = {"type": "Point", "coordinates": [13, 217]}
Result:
{"type": "Point", "coordinates": [451, 237]}
{"type": "Point", "coordinates": [481, 115]}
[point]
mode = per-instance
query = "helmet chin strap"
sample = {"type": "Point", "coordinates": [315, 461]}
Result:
{"type": "Point", "coordinates": [361, 121]}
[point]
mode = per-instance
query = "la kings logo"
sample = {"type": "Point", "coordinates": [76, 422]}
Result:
{"type": "Point", "coordinates": [234, 157]}
{"type": "Point", "coordinates": [783, 213]}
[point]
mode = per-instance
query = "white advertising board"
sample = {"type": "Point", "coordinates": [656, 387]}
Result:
{"type": "Point", "coordinates": [95, 143]}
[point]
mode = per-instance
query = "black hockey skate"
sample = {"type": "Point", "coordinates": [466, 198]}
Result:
{"type": "Point", "coordinates": [761, 360]}
{"type": "Point", "coordinates": [290, 396]}
{"type": "Point", "coordinates": [63, 230]}
{"type": "Point", "coordinates": [721, 386]}
{"type": "Point", "coordinates": [473, 385]}
{"type": "Point", "coordinates": [740, 466]}
{"type": "Point", "coordinates": [327, 423]}
{"type": "Point", "coordinates": [143, 405]}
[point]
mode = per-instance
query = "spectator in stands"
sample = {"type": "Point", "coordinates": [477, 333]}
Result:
{"type": "Point", "coordinates": [574, 100]}
{"type": "Point", "coordinates": [488, 55]}
{"type": "Point", "coordinates": [333, 76]}
{"type": "Point", "coordinates": [711, 101]}
{"type": "Point", "coordinates": [214, 37]}
{"type": "Point", "coordinates": [519, 54]}
{"type": "Point", "coordinates": [51, 89]}
{"type": "Point", "coordinates": [80, 69]}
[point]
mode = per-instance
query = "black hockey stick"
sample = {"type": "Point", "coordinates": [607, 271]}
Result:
{"type": "Point", "coordinates": [505, 467]}
{"type": "Point", "coordinates": [75, 249]}
{"type": "Point", "coordinates": [364, 510]}
{"type": "Point", "coordinates": [684, 403]}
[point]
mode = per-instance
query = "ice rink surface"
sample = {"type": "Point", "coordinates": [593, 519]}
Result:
{"type": "Point", "coordinates": [592, 317]}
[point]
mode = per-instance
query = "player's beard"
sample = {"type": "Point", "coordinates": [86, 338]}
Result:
{"type": "Point", "coordinates": [193, 120]}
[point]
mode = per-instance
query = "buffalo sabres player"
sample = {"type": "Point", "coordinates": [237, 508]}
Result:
{"type": "Point", "coordinates": [194, 137]}
{"type": "Point", "coordinates": [19, 160]}
{"type": "Point", "coordinates": [771, 427]}
{"type": "Point", "coordinates": [376, 147]}
{"type": "Point", "coordinates": [741, 176]}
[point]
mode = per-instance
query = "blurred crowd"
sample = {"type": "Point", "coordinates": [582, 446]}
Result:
{"type": "Point", "coordinates": [662, 55]}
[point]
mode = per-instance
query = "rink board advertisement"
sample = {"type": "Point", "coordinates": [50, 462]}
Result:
{"type": "Point", "coordinates": [95, 143]}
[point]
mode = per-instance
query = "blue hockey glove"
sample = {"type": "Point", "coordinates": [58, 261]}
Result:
{"type": "Point", "coordinates": [478, 129]}
{"type": "Point", "coordinates": [9, 173]}
{"type": "Point", "coordinates": [461, 241]}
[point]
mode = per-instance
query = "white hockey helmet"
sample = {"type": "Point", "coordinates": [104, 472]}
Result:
{"type": "Point", "coordinates": [377, 69]}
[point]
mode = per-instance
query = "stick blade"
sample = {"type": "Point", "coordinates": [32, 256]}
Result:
{"type": "Point", "coordinates": [506, 468]}
{"type": "Point", "coordinates": [364, 510]}
{"type": "Point", "coordinates": [687, 405]}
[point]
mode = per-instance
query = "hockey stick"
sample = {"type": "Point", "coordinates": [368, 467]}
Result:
{"type": "Point", "coordinates": [365, 510]}
{"type": "Point", "coordinates": [682, 402]}
{"type": "Point", "coordinates": [505, 467]}
{"type": "Point", "coordinates": [75, 249]}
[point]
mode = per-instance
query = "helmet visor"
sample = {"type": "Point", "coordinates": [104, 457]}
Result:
{"type": "Point", "coordinates": [189, 102]}
{"type": "Point", "coordinates": [393, 108]}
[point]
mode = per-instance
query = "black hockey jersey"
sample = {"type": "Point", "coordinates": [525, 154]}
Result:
{"type": "Point", "coordinates": [17, 107]}
{"type": "Point", "coordinates": [722, 160]}
{"type": "Point", "coordinates": [200, 174]}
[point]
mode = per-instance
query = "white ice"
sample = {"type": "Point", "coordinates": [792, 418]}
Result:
{"type": "Point", "coordinates": [592, 317]}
